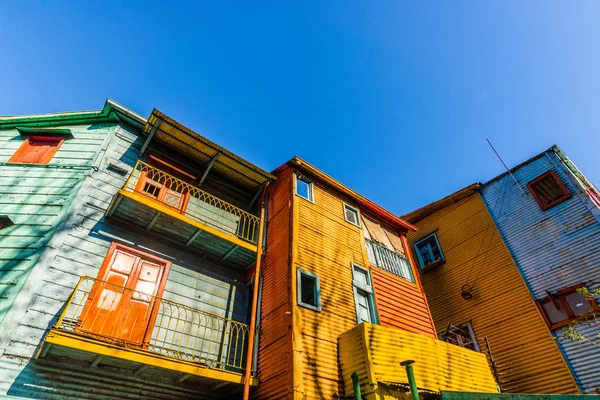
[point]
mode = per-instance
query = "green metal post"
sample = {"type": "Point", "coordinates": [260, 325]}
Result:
{"type": "Point", "coordinates": [356, 385]}
{"type": "Point", "coordinates": [411, 378]}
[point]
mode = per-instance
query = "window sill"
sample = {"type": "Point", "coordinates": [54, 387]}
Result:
{"type": "Point", "coordinates": [314, 308]}
{"type": "Point", "coordinates": [433, 265]}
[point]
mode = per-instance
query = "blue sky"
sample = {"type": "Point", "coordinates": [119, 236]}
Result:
{"type": "Point", "coordinates": [392, 98]}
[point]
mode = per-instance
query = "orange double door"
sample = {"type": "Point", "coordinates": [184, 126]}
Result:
{"type": "Point", "coordinates": [123, 303]}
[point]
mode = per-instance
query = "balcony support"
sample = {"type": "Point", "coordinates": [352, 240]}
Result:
{"type": "Point", "coordinates": [153, 221]}
{"type": "Point", "coordinates": [195, 236]}
{"type": "Point", "coordinates": [208, 168]}
{"type": "Point", "coordinates": [252, 327]}
{"type": "Point", "coordinates": [141, 369]}
{"type": "Point", "coordinates": [150, 136]}
{"type": "Point", "coordinates": [96, 361]}
{"type": "Point", "coordinates": [229, 252]}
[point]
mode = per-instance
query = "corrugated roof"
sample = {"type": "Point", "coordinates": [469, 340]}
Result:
{"type": "Point", "coordinates": [183, 139]}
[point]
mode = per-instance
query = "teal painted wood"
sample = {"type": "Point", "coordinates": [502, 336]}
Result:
{"type": "Point", "coordinates": [79, 248]}
{"type": "Point", "coordinates": [37, 198]}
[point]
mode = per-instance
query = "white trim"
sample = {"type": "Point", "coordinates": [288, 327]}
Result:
{"type": "Point", "coordinates": [299, 274]}
{"type": "Point", "coordinates": [311, 188]}
{"type": "Point", "coordinates": [357, 223]}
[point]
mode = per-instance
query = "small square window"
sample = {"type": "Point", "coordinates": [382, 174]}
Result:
{"type": "Point", "coordinates": [429, 251]}
{"type": "Point", "coordinates": [548, 190]}
{"type": "Point", "coordinates": [37, 150]}
{"type": "Point", "coordinates": [304, 187]}
{"type": "Point", "coordinates": [309, 291]}
{"type": "Point", "coordinates": [351, 215]}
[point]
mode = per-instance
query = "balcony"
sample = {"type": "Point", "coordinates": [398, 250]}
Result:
{"type": "Point", "coordinates": [111, 326]}
{"type": "Point", "coordinates": [162, 204]}
{"type": "Point", "coordinates": [375, 352]}
{"type": "Point", "coordinates": [388, 260]}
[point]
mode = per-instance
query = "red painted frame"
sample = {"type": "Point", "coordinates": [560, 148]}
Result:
{"type": "Point", "coordinates": [560, 297]}
{"type": "Point", "coordinates": [566, 193]}
{"type": "Point", "coordinates": [21, 151]}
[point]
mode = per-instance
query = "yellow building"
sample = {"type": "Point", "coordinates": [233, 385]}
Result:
{"type": "Point", "coordinates": [476, 292]}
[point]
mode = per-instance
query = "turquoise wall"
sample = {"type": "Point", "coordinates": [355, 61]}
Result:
{"type": "Point", "coordinates": [36, 198]}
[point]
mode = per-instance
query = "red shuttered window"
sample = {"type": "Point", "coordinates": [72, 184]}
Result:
{"type": "Point", "coordinates": [37, 150]}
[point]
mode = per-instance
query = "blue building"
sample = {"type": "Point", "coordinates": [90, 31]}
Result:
{"type": "Point", "coordinates": [548, 214]}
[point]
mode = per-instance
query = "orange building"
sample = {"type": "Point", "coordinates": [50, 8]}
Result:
{"type": "Point", "coordinates": [335, 260]}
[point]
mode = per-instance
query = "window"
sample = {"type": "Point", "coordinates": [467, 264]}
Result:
{"type": "Point", "coordinates": [548, 190]}
{"type": "Point", "coordinates": [567, 305]}
{"type": "Point", "coordinates": [304, 187]}
{"type": "Point", "coordinates": [460, 335]}
{"type": "Point", "coordinates": [5, 221]}
{"type": "Point", "coordinates": [309, 291]}
{"type": "Point", "coordinates": [363, 295]}
{"type": "Point", "coordinates": [429, 251]}
{"type": "Point", "coordinates": [351, 215]}
{"type": "Point", "coordinates": [37, 150]}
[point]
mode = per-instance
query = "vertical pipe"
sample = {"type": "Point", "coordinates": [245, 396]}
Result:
{"type": "Point", "coordinates": [259, 247]}
{"type": "Point", "coordinates": [411, 378]}
{"type": "Point", "coordinates": [356, 386]}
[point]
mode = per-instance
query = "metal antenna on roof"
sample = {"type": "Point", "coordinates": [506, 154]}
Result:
{"type": "Point", "coordinates": [507, 170]}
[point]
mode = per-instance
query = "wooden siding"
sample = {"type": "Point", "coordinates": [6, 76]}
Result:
{"type": "Point", "coordinates": [36, 198]}
{"type": "Point", "coordinates": [554, 249]}
{"type": "Point", "coordinates": [79, 249]}
{"type": "Point", "coordinates": [275, 342]}
{"type": "Point", "coordinates": [375, 353]}
{"type": "Point", "coordinates": [502, 310]}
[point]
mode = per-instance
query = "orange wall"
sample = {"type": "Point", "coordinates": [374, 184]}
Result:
{"type": "Point", "coordinates": [274, 359]}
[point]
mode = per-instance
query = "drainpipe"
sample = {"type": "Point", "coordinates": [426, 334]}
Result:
{"type": "Point", "coordinates": [251, 333]}
{"type": "Point", "coordinates": [411, 378]}
{"type": "Point", "coordinates": [356, 386]}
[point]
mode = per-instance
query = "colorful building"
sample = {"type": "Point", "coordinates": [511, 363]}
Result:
{"type": "Point", "coordinates": [499, 261]}
{"type": "Point", "coordinates": [143, 285]}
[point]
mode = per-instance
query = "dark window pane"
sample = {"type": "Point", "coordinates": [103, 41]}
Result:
{"type": "Point", "coordinates": [579, 304]}
{"type": "Point", "coordinates": [553, 313]}
{"type": "Point", "coordinates": [308, 290]}
{"type": "Point", "coordinates": [351, 215]}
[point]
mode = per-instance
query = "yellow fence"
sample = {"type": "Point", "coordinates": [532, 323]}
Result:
{"type": "Point", "coordinates": [134, 319]}
{"type": "Point", "coordinates": [192, 202]}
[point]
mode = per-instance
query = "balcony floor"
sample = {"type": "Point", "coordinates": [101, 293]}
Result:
{"type": "Point", "coordinates": [64, 346]}
{"type": "Point", "coordinates": [144, 213]}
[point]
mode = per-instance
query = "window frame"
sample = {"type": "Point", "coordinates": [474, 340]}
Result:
{"type": "Point", "coordinates": [352, 208]}
{"type": "Point", "coordinates": [358, 286]}
{"type": "Point", "coordinates": [566, 193]}
{"type": "Point", "coordinates": [465, 327]}
{"type": "Point", "coordinates": [26, 145]}
{"type": "Point", "coordinates": [317, 289]}
{"type": "Point", "coordinates": [311, 187]}
{"type": "Point", "coordinates": [560, 296]}
{"type": "Point", "coordinates": [435, 263]}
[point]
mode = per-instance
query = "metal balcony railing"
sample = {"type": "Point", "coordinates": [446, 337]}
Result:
{"type": "Point", "coordinates": [130, 318]}
{"type": "Point", "coordinates": [389, 260]}
{"type": "Point", "coordinates": [192, 202]}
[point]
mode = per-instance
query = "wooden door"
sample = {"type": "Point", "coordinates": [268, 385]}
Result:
{"type": "Point", "coordinates": [122, 303]}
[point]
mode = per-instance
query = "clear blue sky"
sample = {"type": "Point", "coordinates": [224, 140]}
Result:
{"type": "Point", "coordinates": [393, 98]}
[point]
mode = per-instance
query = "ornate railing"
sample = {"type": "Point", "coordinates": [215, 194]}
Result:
{"type": "Point", "coordinates": [389, 260]}
{"type": "Point", "coordinates": [192, 202]}
{"type": "Point", "coordinates": [134, 319]}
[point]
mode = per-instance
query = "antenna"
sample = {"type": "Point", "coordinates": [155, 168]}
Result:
{"type": "Point", "coordinates": [507, 170]}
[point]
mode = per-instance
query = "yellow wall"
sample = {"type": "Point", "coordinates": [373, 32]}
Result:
{"type": "Point", "coordinates": [325, 244]}
{"type": "Point", "coordinates": [502, 310]}
{"type": "Point", "coordinates": [375, 353]}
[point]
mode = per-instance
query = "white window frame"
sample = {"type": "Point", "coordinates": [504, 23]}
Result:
{"type": "Point", "coordinates": [356, 286]}
{"type": "Point", "coordinates": [465, 327]}
{"type": "Point", "coordinates": [311, 187]}
{"type": "Point", "coordinates": [416, 245]}
{"type": "Point", "coordinates": [348, 206]}
{"type": "Point", "coordinates": [299, 274]}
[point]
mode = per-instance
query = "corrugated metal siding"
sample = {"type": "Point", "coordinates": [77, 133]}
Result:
{"type": "Point", "coordinates": [502, 310]}
{"type": "Point", "coordinates": [554, 249]}
{"type": "Point", "coordinates": [274, 356]}
{"type": "Point", "coordinates": [80, 250]}
{"type": "Point", "coordinates": [327, 246]}
{"type": "Point", "coordinates": [438, 365]}
{"type": "Point", "coordinates": [36, 198]}
{"type": "Point", "coordinates": [401, 304]}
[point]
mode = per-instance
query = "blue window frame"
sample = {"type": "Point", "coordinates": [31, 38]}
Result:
{"type": "Point", "coordinates": [363, 295]}
{"type": "Point", "coordinates": [429, 251]}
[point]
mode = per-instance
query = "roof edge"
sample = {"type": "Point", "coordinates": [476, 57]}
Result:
{"type": "Point", "coordinates": [428, 209]}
